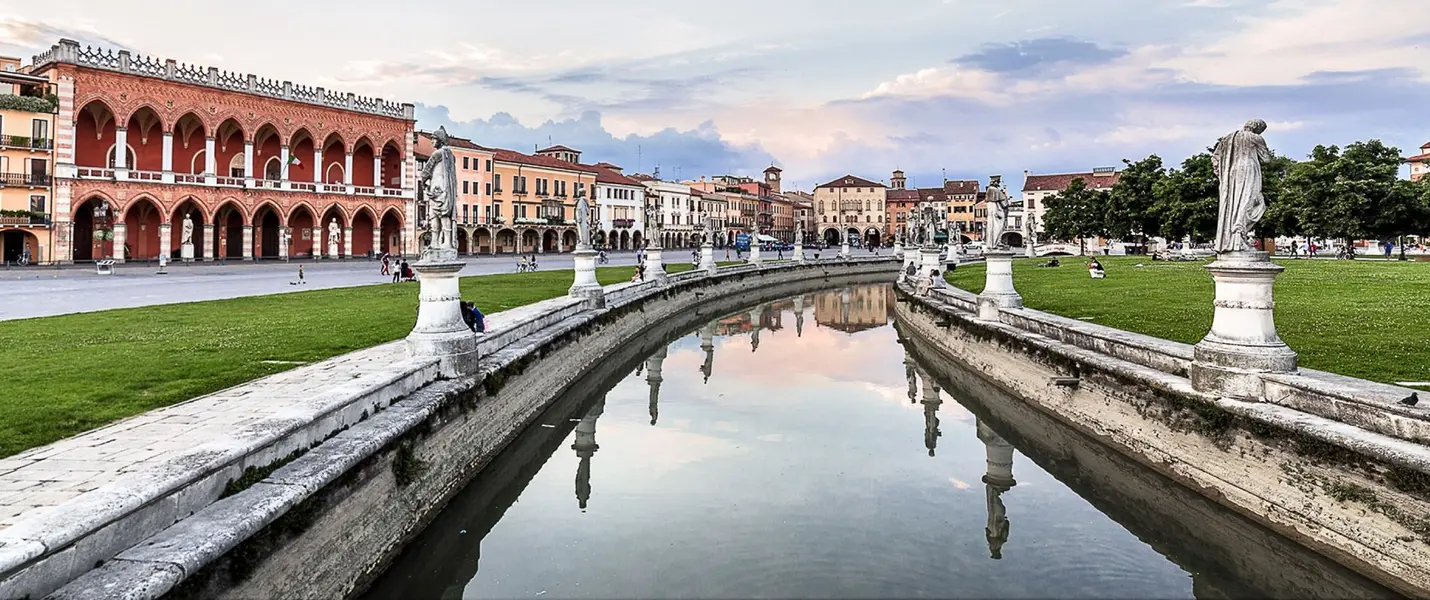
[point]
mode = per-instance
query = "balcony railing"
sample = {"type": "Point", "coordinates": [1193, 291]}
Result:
{"type": "Point", "coordinates": [623, 223]}
{"type": "Point", "coordinates": [492, 221]}
{"type": "Point", "coordinates": [29, 143]}
{"type": "Point", "coordinates": [29, 179]}
{"type": "Point", "coordinates": [225, 181]}
{"type": "Point", "coordinates": [29, 220]}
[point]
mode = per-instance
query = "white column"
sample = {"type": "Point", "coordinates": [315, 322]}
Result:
{"type": "Point", "coordinates": [167, 161]}
{"type": "Point", "coordinates": [247, 242]}
{"type": "Point", "coordinates": [347, 249]}
{"type": "Point", "coordinates": [283, 233]}
{"type": "Point", "coordinates": [318, 248]}
{"type": "Point", "coordinates": [348, 169]}
{"type": "Point", "coordinates": [403, 182]}
{"type": "Point", "coordinates": [283, 158]}
{"type": "Point", "coordinates": [208, 243]}
{"type": "Point", "coordinates": [317, 166]}
{"type": "Point", "coordinates": [119, 238]}
{"type": "Point", "coordinates": [376, 241]}
{"type": "Point", "coordinates": [210, 161]}
{"type": "Point", "coordinates": [165, 244]}
{"type": "Point", "coordinates": [248, 164]}
{"type": "Point", "coordinates": [121, 148]}
{"type": "Point", "coordinates": [377, 175]}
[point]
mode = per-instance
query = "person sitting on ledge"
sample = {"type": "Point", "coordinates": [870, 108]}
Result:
{"type": "Point", "coordinates": [1094, 269]}
{"type": "Point", "coordinates": [926, 285]}
{"type": "Point", "coordinates": [473, 317]}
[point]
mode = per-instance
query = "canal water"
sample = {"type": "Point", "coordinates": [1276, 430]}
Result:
{"type": "Point", "coordinates": [801, 449]}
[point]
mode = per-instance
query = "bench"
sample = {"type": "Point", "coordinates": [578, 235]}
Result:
{"type": "Point", "coordinates": [104, 267]}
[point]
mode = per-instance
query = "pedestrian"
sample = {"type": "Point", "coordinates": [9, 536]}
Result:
{"type": "Point", "coordinates": [727, 254]}
{"type": "Point", "coordinates": [473, 317]}
{"type": "Point", "coordinates": [640, 273]}
{"type": "Point", "coordinates": [533, 262]}
{"type": "Point", "coordinates": [396, 272]}
{"type": "Point", "coordinates": [300, 275]}
{"type": "Point", "coordinates": [521, 266]}
{"type": "Point", "coordinates": [405, 273]}
{"type": "Point", "coordinates": [385, 267]}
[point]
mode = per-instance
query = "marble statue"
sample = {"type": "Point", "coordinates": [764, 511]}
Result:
{"type": "Point", "coordinates": [439, 179]}
{"type": "Point", "coordinates": [1238, 157]}
{"type": "Point", "coordinates": [930, 226]}
{"type": "Point", "coordinates": [187, 237]}
{"type": "Point", "coordinates": [652, 223]}
{"type": "Point", "coordinates": [335, 237]}
{"type": "Point", "coordinates": [997, 530]}
{"type": "Point", "coordinates": [583, 223]}
{"type": "Point", "coordinates": [997, 199]}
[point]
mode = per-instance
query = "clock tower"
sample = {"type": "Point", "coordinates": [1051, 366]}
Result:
{"type": "Point", "coordinates": [772, 179]}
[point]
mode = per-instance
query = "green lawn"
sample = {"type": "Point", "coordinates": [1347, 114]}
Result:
{"type": "Point", "coordinates": [67, 374]}
{"type": "Point", "coordinates": [1366, 319]}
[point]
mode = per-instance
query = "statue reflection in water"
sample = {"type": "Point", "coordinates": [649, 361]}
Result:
{"type": "Point", "coordinates": [910, 374]}
{"type": "Point", "coordinates": [755, 314]}
{"type": "Point", "coordinates": [799, 316]}
{"type": "Point", "coordinates": [997, 479]}
{"type": "Point", "coordinates": [707, 344]}
{"type": "Point", "coordinates": [931, 403]}
{"type": "Point", "coordinates": [653, 378]}
{"type": "Point", "coordinates": [585, 447]}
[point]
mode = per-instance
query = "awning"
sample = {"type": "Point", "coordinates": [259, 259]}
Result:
{"type": "Point", "coordinates": [765, 238]}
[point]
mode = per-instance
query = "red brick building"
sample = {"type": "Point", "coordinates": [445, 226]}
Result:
{"type": "Point", "coordinates": [262, 167]}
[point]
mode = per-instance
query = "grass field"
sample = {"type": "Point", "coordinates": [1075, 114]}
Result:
{"type": "Point", "coordinates": [64, 375]}
{"type": "Point", "coordinates": [1366, 319]}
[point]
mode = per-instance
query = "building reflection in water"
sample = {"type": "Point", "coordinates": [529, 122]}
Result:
{"type": "Point", "coordinates": [653, 378]}
{"type": "Point", "coordinates": [997, 480]}
{"type": "Point", "coordinates": [856, 309]}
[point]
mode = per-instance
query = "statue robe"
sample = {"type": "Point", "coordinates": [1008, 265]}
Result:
{"type": "Point", "coordinates": [441, 173]}
{"type": "Point", "coordinates": [997, 217]}
{"type": "Point", "coordinates": [1238, 158]}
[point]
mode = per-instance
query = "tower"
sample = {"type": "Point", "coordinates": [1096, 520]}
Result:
{"type": "Point", "coordinates": [897, 181]}
{"type": "Point", "coordinates": [772, 178]}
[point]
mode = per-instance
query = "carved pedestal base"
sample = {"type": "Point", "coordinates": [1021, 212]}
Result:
{"type": "Point", "coordinates": [898, 250]}
{"type": "Point", "coordinates": [998, 292]}
{"type": "Point", "coordinates": [844, 250]}
{"type": "Point", "coordinates": [754, 252]}
{"type": "Point", "coordinates": [654, 268]}
{"type": "Point", "coordinates": [798, 252]}
{"type": "Point", "coordinates": [186, 252]}
{"type": "Point", "coordinates": [440, 332]}
{"type": "Point", "coordinates": [707, 258]}
{"type": "Point", "coordinates": [586, 285]}
{"type": "Point", "coordinates": [1242, 342]}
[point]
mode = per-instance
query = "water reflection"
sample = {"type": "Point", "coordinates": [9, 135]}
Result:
{"type": "Point", "coordinates": [793, 472]}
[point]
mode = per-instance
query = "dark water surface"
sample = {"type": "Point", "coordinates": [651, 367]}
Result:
{"type": "Point", "coordinates": [796, 450]}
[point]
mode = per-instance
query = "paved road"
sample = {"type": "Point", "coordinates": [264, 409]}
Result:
{"type": "Point", "coordinates": [40, 292]}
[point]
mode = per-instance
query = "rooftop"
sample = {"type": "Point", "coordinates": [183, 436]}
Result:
{"type": "Point", "coordinates": [1058, 182]}
{"type": "Point", "coordinates": [122, 61]}
{"type": "Point", "coordinates": [848, 181]}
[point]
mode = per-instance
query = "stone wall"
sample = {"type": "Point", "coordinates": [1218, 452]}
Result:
{"type": "Point", "coordinates": [1355, 495]}
{"type": "Point", "coordinates": [326, 523]}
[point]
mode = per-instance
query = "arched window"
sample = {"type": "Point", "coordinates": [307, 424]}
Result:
{"type": "Point", "coordinates": [335, 173]}
{"type": "Point", "coordinates": [128, 160]}
{"type": "Point", "coordinates": [235, 166]}
{"type": "Point", "coordinates": [198, 163]}
{"type": "Point", "coordinates": [273, 169]}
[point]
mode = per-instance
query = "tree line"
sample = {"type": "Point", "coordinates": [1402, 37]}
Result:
{"type": "Point", "coordinates": [1338, 193]}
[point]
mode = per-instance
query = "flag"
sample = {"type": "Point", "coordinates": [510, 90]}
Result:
{"type": "Point", "coordinates": [293, 160]}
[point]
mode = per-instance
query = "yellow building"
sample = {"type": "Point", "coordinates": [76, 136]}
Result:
{"type": "Point", "coordinates": [27, 123]}
{"type": "Point", "coordinates": [850, 206]}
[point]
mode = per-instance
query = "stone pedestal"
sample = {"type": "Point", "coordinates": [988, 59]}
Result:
{"type": "Point", "coordinates": [654, 268]}
{"type": "Point", "coordinates": [707, 258]}
{"type": "Point", "coordinates": [898, 250]}
{"type": "Point", "coordinates": [186, 252]}
{"type": "Point", "coordinates": [1242, 342]}
{"type": "Point", "coordinates": [911, 259]}
{"type": "Point", "coordinates": [755, 252]}
{"type": "Point", "coordinates": [998, 292]}
{"type": "Point", "coordinates": [798, 252]}
{"type": "Point", "coordinates": [929, 261]}
{"type": "Point", "coordinates": [844, 249]}
{"type": "Point", "coordinates": [440, 332]}
{"type": "Point", "coordinates": [586, 285]}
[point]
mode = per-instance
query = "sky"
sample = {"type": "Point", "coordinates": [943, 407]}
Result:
{"type": "Point", "coordinates": [962, 88]}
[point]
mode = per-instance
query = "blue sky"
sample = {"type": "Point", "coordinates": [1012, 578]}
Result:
{"type": "Point", "coordinates": [821, 87]}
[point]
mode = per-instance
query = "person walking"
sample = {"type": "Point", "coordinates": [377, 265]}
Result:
{"type": "Point", "coordinates": [396, 269]}
{"type": "Point", "coordinates": [300, 275]}
{"type": "Point", "coordinates": [386, 268]}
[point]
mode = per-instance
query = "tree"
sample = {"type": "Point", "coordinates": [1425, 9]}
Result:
{"type": "Point", "coordinates": [1353, 194]}
{"type": "Point", "coordinates": [1130, 204]}
{"type": "Point", "coordinates": [1186, 200]}
{"type": "Point", "coordinates": [1076, 213]}
{"type": "Point", "coordinates": [1282, 213]}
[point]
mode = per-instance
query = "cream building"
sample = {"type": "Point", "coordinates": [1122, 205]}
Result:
{"type": "Point", "coordinates": [850, 206]}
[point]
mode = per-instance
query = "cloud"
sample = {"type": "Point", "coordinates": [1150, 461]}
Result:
{"type": "Point", "coordinates": [692, 152]}
{"type": "Point", "coordinates": [35, 36]}
{"type": "Point", "coordinates": [1038, 55]}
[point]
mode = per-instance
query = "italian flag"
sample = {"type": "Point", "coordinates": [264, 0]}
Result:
{"type": "Point", "coordinates": [293, 160]}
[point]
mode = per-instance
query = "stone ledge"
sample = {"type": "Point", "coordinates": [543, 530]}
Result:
{"type": "Point", "coordinates": [36, 570]}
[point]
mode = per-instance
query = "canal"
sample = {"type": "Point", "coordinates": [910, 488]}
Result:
{"type": "Point", "coordinates": [803, 449]}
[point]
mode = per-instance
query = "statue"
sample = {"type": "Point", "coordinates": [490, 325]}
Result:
{"type": "Point", "coordinates": [930, 226]}
{"type": "Point", "coordinates": [187, 237]}
{"type": "Point", "coordinates": [439, 179]}
{"type": "Point", "coordinates": [997, 199]}
{"type": "Point", "coordinates": [583, 223]}
{"type": "Point", "coordinates": [997, 530]}
{"type": "Point", "coordinates": [1238, 157]}
{"type": "Point", "coordinates": [335, 236]}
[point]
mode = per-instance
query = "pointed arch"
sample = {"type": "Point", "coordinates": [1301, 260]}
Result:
{"type": "Point", "coordinates": [95, 124]}
{"type": "Point", "coordinates": [189, 140]}
{"type": "Point", "coordinates": [301, 148]}
{"type": "Point", "coordinates": [145, 139]}
{"type": "Point", "coordinates": [229, 141]}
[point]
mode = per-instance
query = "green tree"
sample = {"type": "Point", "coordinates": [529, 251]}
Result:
{"type": "Point", "coordinates": [1076, 213]}
{"type": "Point", "coordinates": [1131, 201]}
{"type": "Point", "coordinates": [1354, 193]}
{"type": "Point", "coordinates": [1186, 200]}
{"type": "Point", "coordinates": [1282, 216]}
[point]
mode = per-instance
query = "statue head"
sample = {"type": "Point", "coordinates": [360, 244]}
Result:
{"type": "Point", "coordinates": [994, 180]}
{"type": "Point", "coordinates": [1255, 126]}
{"type": "Point", "coordinates": [439, 137]}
